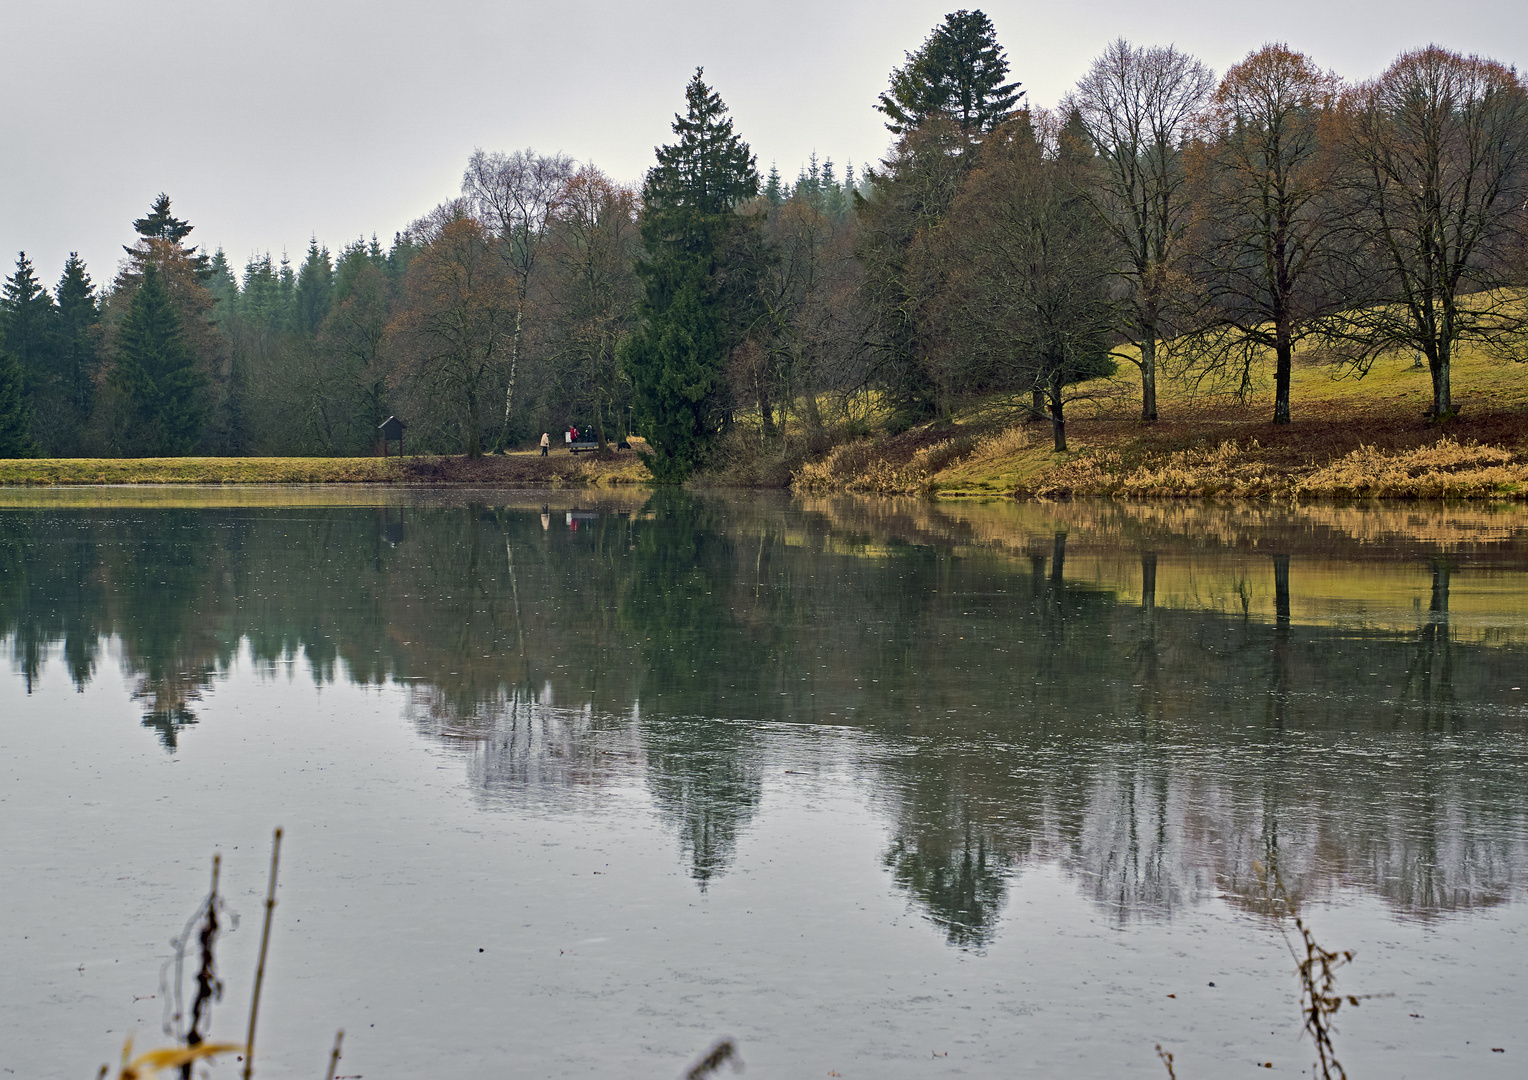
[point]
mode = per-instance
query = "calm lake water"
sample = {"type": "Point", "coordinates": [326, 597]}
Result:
{"type": "Point", "coordinates": [576, 784]}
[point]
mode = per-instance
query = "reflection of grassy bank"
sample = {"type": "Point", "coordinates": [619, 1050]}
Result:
{"type": "Point", "coordinates": [523, 469]}
{"type": "Point", "coordinates": [622, 498]}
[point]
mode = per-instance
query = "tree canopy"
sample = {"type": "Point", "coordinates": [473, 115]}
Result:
{"type": "Point", "coordinates": [959, 71]}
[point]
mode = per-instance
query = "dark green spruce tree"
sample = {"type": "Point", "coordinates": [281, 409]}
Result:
{"type": "Point", "coordinates": [75, 357]}
{"type": "Point", "coordinates": [314, 292]}
{"type": "Point", "coordinates": [15, 413]}
{"type": "Point", "coordinates": [26, 320]}
{"type": "Point", "coordinates": [703, 260]}
{"type": "Point", "coordinates": [159, 224]}
{"type": "Point", "coordinates": [959, 72]}
{"type": "Point", "coordinates": [156, 374]}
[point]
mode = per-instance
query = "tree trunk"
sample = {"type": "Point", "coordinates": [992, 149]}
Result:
{"type": "Point", "coordinates": [1037, 403]}
{"type": "Point", "coordinates": [766, 407]}
{"type": "Point", "coordinates": [1283, 351]}
{"type": "Point", "coordinates": [809, 397]}
{"type": "Point", "coordinates": [509, 391]}
{"type": "Point", "coordinates": [1149, 377]}
{"type": "Point", "coordinates": [474, 428]}
{"type": "Point", "coordinates": [1443, 398]}
{"type": "Point", "coordinates": [1058, 420]}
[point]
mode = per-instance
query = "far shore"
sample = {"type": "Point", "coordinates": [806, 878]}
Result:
{"type": "Point", "coordinates": [1350, 440]}
{"type": "Point", "coordinates": [519, 469]}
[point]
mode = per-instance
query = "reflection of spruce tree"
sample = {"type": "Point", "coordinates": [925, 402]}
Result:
{"type": "Point", "coordinates": [701, 766]}
{"type": "Point", "coordinates": [49, 591]}
{"type": "Point", "coordinates": [960, 881]}
{"type": "Point", "coordinates": [161, 574]}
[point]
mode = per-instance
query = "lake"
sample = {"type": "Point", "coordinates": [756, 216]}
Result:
{"type": "Point", "coordinates": [577, 783]}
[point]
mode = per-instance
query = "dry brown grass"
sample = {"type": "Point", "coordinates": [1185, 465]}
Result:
{"type": "Point", "coordinates": [904, 464]}
{"type": "Point", "coordinates": [1444, 470]}
{"type": "Point", "coordinates": [1441, 469]}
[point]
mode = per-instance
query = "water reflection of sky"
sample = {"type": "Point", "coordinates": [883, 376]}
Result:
{"type": "Point", "coordinates": [1155, 716]}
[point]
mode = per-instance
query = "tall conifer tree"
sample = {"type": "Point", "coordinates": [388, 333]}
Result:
{"type": "Point", "coordinates": [156, 374]}
{"type": "Point", "coordinates": [26, 318]}
{"type": "Point", "coordinates": [314, 292]}
{"type": "Point", "coordinates": [960, 72]}
{"type": "Point", "coordinates": [15, 414]}
{"type": "Point", "coordinates": [703, 259]}
{"type": "Point", "coordinates": [75, 359]}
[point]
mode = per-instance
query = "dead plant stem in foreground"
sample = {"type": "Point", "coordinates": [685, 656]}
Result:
{"type": "Point", "coordinates": [334, 1055]}
{"type": "Point", "coordinates": [265, 941]}
{"type": "Point", "coordinates": [1319, 999]}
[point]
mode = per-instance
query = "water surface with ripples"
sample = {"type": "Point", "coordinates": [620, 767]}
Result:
{"type": "Point", "coordinates": [575, 784]}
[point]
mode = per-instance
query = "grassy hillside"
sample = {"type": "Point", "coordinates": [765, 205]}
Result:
{"type": "Point", "coordinates": [1351, 438]}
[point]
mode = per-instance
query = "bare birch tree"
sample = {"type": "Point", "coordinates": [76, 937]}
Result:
{"type": "Point", "coordinates": [517, 195]}
{"type": "Point", "coordinates": [1139, 105]}
{"type": "Point", "coordinates": [593, 293]}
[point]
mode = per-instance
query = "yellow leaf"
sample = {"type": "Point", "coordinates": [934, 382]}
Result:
{"type": "Point", "coordinates": [151, 1062]}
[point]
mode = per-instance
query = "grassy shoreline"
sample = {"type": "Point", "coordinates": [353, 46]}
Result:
{"type": "Point", "coordinates": [1350, 440]}
{"type": "Point", "coordinates": [518, 469]}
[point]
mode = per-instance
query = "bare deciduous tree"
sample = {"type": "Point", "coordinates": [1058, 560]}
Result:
{"type": "Point", "coordinates": [820, 326]}
{"type": "Point", "coordinates": [1139, 106]}
{"type": "Point", "coordinates": [459, 321]}
{"type": "Point", "coordinates": [1028, 295]}
{"type": "Point", "coordinates": [516, 195]}
{"type": "Point", "coordinates": [1265, 217]}
{"type": "Point", "coordinates": [593, 291]}
{"type": "Point", "coordinates": [1437, 152]}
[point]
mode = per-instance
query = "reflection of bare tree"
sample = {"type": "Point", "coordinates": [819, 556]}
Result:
{"type": "Point", "coordinates": [520, 745]}
{"type": "Point", "coordinates": [1278, 666]}
{"type": "Point", "coordinates": [1429, 680]}
{"type": "Point", "coordinates": [1157, 833]}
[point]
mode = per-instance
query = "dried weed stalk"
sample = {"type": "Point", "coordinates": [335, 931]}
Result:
{"type": "Point", "coordinates": [1317, 966]}
{"type": "Point", "coordinates": [724, 1051]}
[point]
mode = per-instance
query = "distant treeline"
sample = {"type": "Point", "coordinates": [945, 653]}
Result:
{"type": "Point", "coordinates": [1158, 217]}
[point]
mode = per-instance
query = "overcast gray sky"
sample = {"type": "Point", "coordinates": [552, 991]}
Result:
{"type": "Point", "coordinates": [268, 121]}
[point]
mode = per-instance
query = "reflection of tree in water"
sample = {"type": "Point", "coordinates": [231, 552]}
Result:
{"type": "Point", "coordinates": [522, 746]}
{"type": "Point", "coordinates": [962, 886]}
{"type": "Point", "coordinates": [704, 776]}
{"type": "Point", "coordinates": [701, 767]}
{"type": "Point", "coordinates": [1429, 679]}
{"type": "Point", "coordinates": [1154, 752]}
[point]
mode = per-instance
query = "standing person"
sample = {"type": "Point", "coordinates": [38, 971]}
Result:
{"type": "Point", "coordinates": [546, 443]}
